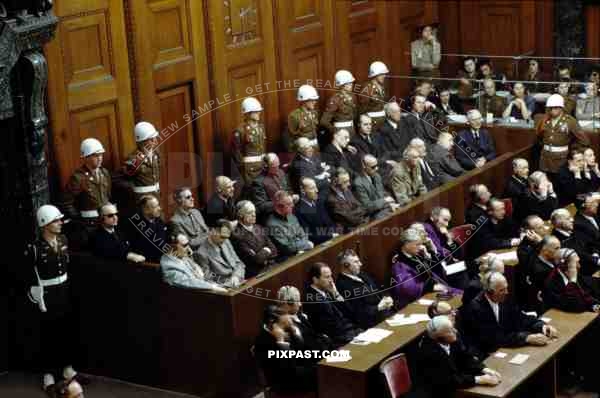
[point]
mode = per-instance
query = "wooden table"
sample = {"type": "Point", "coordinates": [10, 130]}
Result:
{"type": "Point", "coordinates": [542, 362]}
{"type": "Point", "coordinates": [354, 378]}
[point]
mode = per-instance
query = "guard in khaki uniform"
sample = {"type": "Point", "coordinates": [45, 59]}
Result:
{"type": "Point", "coordinates": [88, 189]}
{"type": "Point", "coordinates": [557, 131]}
{"type": "Point", "coordinates": [46, 280]}
{"type": "Point", "coordinates": [250, 141]}
{"type": "Point", "coordinates": [143, 165]}
{"type": "Point", "coordinates": [341, 110]}
{"type": "Point", "coordinates": [372, 97]}
{"type": "Point", "coordinates": [304, 120]}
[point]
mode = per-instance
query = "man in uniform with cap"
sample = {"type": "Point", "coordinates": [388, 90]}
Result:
{"type": "Point", "coordinates": [304, 120]}
{"type": "Point", "coordinates": [88, 189]}
{"type": "Point", "coordinates": [46, 278]}
{"type": "Point", "coordinates": [250, 141]}
{"type": "Point", "coordinates": [373, 97]}
{"type": "Point", "coordinates": [426, 53]}
{"type": "Point", "coordinates": [340, 111]}
{"type": "Point", "coordinates": [557, 131]}
{"type": "Point", "coordinates": [143, 165]}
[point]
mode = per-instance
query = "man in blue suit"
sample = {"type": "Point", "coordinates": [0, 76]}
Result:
{"type": "Point", "coordinates": [475, 146]}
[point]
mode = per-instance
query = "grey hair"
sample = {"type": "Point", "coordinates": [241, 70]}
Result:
{"type": "Point", "coordinates": [518, 161]}
{"type": "Point", "coordinates": [558, 215]}
{"type": "Point", "coordinates": [473, 113]}
{"type": "Point", "coordinates": [492, 279]}
{"type": "Point", "coordinates": [437, 211]}
{"type": "Point", "coordinates": [415, 142]}
{"type": "Point", "coordinates": [243, 207]}
{"type": "Point", "coordinates": [288, 294]}
{"type": "Point", "coordinates": [536, 177]}
{"type": "Point", "coordinates": [391, 107]}
{"type": "Point", "coordinates": [302, 143]}
{"type": "Point", "coordinates": [408, 151]}
{"type": "Point", "coordinates": [437, 324]}
{"type": "Point", "coordinates": [409, 235]}
{"type": "Point", "coordinates": [270, 157]}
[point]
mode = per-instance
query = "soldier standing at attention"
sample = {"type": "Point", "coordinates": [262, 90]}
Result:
{"type": "Point", "coordinates": [250, 141]}
{"type": "Point", "coordinates": [46, 278]}
{"type": "Point", "coordinates": [341, 111]}
{"type": "Point", "coordinates": [373, 97]}
{"type": "Point", "coordinates": [556, 131]}
{"type": "Point", "coordinates": [143, 165]}
{"type": "Point", "coordinates": [304, 120]}
{"type": "Point", "coordinates": [88, 189]}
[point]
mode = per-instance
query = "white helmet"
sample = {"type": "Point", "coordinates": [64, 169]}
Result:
{"type": "Point", "coordinates": [144, 131]}
{"type": "Point", "coordinates": [306, 93]}
{"type": "Point", "coordinates": [251, 104]}
{"type": "Point", "coordinates": [555, 101]}
{"type": "Point", "coordinates": [91, 146]}
{"type": "Point", "coordinates": [48, 214]}
{"type": "Point", "coordinates": [342, 77]}
{"type": "Point", "coordinates": [377, 68]}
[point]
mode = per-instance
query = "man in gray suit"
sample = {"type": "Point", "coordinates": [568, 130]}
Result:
{"type": "Point", "coordinates": [186, 219]}
{"type": "Point", "coordinates": [368, 189]}
{"type": "Point", "coordinates": [405, 181]}
{"type": "Point", "coordinates": [442, 161]}
{"type": "Point", "coordinates": [178, 268]}
{"type": "Point", "coordinates": [218, 258]}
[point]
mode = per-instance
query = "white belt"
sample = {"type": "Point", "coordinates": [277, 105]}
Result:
{"type": "Point", "coordinates": [343, 124]}
{"type": "Point", "coordinates": [54, 281]}
{"type": "Point", "coordinates": [553, 148]}
{"type": "Point", "coordinates": [252, 159]}
{"type": "Point", "coordinates": [89, 214]}
{"type": "Point", "coordinates": [376, 114]}
{"type": "Point", "coordinates": [314, 142]}
{"type": "Point", "coordinates": [147, 188]}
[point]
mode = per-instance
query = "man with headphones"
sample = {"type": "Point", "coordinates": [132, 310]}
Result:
{"type": "Point", "coordinates": [447, 364]}
{"type": "Point", "coordinates": [491, 322]}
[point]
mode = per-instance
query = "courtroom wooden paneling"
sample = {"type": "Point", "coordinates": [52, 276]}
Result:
{"type": "Point", "coordinates": [89, 88]}
{"type": "Point", "coordinates": [243, 53]}
{"type": "Point", "coordinates": [592, 31]}
{"type": "Point", "coordinates": [304, 46]}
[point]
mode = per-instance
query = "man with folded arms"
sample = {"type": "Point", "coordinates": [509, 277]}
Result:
{"type": "Point", "coordinates": [284, 229]}
{"type": "Point", "coordinates": [368, 189]}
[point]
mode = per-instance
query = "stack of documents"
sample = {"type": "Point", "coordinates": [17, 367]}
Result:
{"type": "Point", "coordinates": [373, 335]}
{"type": "Point", "coordinates": [402, 319]}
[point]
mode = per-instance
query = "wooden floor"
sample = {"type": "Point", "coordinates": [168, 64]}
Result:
{"type": "Point", "coordinates": [20, 385]}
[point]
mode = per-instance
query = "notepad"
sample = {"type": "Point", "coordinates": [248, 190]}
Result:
{"type": "Point", "coordinates": [519, 359]}
{"type": "Point", "coordinates": [455, 268]}
{"type": "Point", "coordinates": [423, 301]}
{"type": "Point", "coordinates": [373, 335]}
{"type": "Point", "coordinates": [500, 354]}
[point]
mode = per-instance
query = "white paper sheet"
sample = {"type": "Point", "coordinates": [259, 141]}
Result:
{"type": "Point", "coordinates": [500, 354]}
{"type": "Point", "coordinates": [337, 359]}
{"type": "Point", "coordinates": [373, 335]}
{"type": "Point", "coordinates": [423, 301]}
{"type": "Point", "coordinates": [455, 268]}
{"type": "Point", "coordinates": [519, 359]}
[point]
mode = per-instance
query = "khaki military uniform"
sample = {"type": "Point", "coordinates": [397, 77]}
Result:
{"type": "Point", "coordinates": [371, 100]}
{"type": "Point", "coordinates": [302, 123]}
{"type": "Point", "coordinates": [249, 147]}
{"type": "Point", "coordinates": [556, 139]}
{"type": "Point", "coordinates": [143, 170]}
{"type": "Point", "coordinates": [340, 113]}
{"type": "Point", "coordinates": [425, 57]}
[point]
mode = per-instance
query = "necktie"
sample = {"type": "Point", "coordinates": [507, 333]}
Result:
{"type": "Point", "coordinates": [476, 137]}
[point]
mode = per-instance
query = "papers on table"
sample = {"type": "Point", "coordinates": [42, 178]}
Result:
{"type": "Point", "coordinates": [500, 354]}
{"type": "Point", "coordinates": [422, 301]}
{"type": "Point", "coordinates": [373, 335]}
{"type": "Point", "coordinates": [332, 359]}
{"type": "Point", "coordinates": [519, 359]}
{"type": "Point", "coordinates": [455, 268]}
{"type": "Point", "coordinates": [508, 256]}
{"type": "Point", "coordinates": [402, 319]}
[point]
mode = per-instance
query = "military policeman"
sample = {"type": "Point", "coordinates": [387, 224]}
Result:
{"type": "Point", "coordinates": [250, 140]}
{"type": "Point", "coordinates": [557, 131]}
{"type": "Point", "coordinates": [304, 120]}
{"type": "Point", "coordinates": [87, 190]}
{"type": "Point", "coordinates": [143, 165]}
{"type": "Point", "coordinates": [372, 97]}
{"type": "Point", "coordinates": [47, 278]}
{"type": "Point", "coordinates": [341, 110]}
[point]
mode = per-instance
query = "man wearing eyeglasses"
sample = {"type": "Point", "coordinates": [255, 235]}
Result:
{"type": "Point", "coordinates": [108, 242]}
{"type": "Point", "coordinates": [186, 219]}
{"type": "Point", "coordinates": [368, 189]}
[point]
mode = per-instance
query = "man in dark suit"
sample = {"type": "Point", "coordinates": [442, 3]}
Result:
{"type": "Point", "coordinates": [339, 153]}
{"type": "Point", "coordinates": [442, 161]}
{"type": "Point", "coordinates": [395, 140]}
{"type": "Point", "coordinates": [325, 306]}
{"type": "Point", "coordinates": [343, 207]}
{"type": "Point", "coordinates": [107, 242]}
{"type": "Point", "coordinates": [313, 215]}
{"type": "Point", "coordinates": [489, 322]}
{"type": "Point", "coordinates": [284, 375]}
{"type": "Point", "coordinates": [147, 232]}
{"type": "Point", "coordinates": [221, 204]}
{"type": "Point", "coordinates": [586, 224]}
{"type": "Point", "coordinates": [499, 232]}
{"type": "Point", "coordinates": [516, 187]}
{"type": "Point", "coordinates": [534, 231]}
{"type": "Point", "coordinates": [540, 198]}
{"type": "Point", "coordinates": [449, 104]}
{"type": "Point", "coordinates": [417, 123]}
{"type": "Point", "coordinates": [430, 178]}
{"type": "Point", "coordinates": [571, 181]}
{"type": "Point", "coordinates": [307, 164]}
{"type": "Point", "coordinates": [366, 142]}
{"type": "Point", "coordinates": [443, 363]}
{"type": "Point", "coordinates": [477, 211]}
{"type": "Point", "coordinates": [540, 267]}
{"type": "Point", "coordinates": [365, 305]}
{"type": "Point", "coordinates": [262, 189]}
{"type": "Point", "coordinates": [368, 189]}
{"type": "Point", "coordinates": [475, 146]}
{"type": "Point", "coordinates": [563, 224]}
